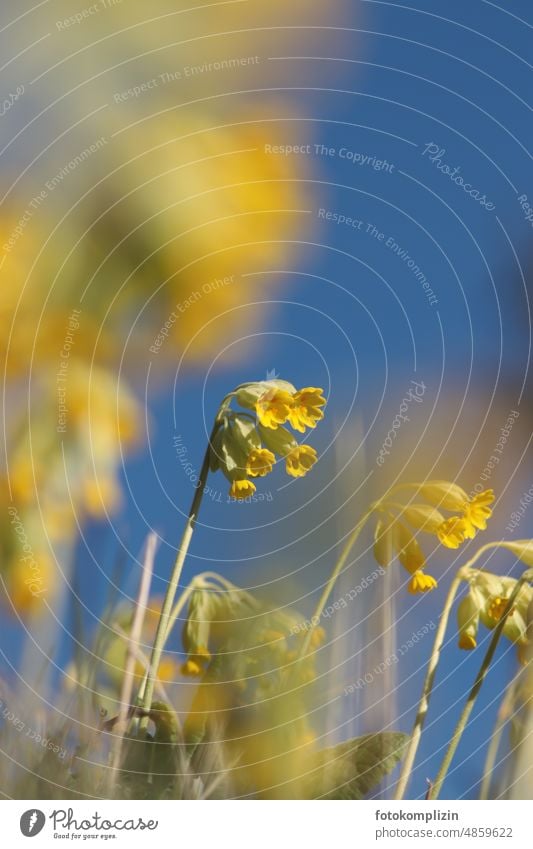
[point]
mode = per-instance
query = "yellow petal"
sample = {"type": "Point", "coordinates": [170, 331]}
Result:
{"type": "Point", "coordinates": [421, 583]}
{"type": "Point", "coordinates": [242, 489]}
{"type": "Point", "coordinates": [260, 462]}
{"type": "Point", "coordinates": [453, 532]}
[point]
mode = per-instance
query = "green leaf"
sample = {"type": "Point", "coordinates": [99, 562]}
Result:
{"type": "Point", "coordinates": [350, 770]}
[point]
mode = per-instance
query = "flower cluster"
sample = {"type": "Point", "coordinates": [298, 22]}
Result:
{"type": "Point", "coordinates": [397, 524]}
{"type": "Point", "coordinates": [486, 602]}
{"type": "Point", "coordinates": [211, 610]}
{"type": "Point", "coordinates": [246, 444]}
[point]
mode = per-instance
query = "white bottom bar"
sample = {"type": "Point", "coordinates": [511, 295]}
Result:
{"type": "Point", "coordinates": [267, 825]}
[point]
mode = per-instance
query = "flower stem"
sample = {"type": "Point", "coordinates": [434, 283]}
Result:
{"type": "Point", "coordinates": [423, 706]}
{"type": "Point", "coordinates": [505, 712]}
{"type": "Point", "coordinates": [147, 691]}
{"type": "Point", "coordinates": [339, 566]}
{"type": "Point", "coordinates": [474, 692]}
{"type": "Point", "coordinates": [427, 688]}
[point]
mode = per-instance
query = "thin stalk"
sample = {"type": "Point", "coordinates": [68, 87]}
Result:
{"type": "Point", "coordinates": [133, 644]}
{"type": "Point", "coordinates": [416, 733]}
{"type": "Point", "coordinates": [474, 692]}
{"type": "Point", "coordinates": [504, 712]}
{"type": "Point", "coordinates": [147, 693]}
{"type": "Point", "coordinates": [339, 566]}
{"type": "Point", "coordinates": [144, 661]}
{"type": "Point", "coordinates": [178, 608]}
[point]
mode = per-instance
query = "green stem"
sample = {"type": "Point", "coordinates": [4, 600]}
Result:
{"type": "Point", "coordinates": [504, 712]}
{"type": "Point", "coordinates": [427, 688]}
{"type": "Point", "coordinates": [350, 542]}
{"type": "Point", "coordinates": [423, 706]}
{"type": "Point", "coordinates": [474, 692]}
{"type": "Point", "coordinates": [147, 691]}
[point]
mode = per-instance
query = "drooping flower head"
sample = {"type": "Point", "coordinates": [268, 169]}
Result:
{"type": "Point", "coordinates": [246, 444]}
{"type": "Point", "coordinates": [398, 521]}
{"type": "Point", "coordinates": [473, 513]}
{"type": "Point", "coordinates": [486, 602]}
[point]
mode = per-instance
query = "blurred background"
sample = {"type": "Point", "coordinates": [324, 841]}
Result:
{"type": "Point", "coordinates": [194, 196]}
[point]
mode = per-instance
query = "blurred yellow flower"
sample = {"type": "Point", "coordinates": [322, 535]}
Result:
{"type": "Point", "coordinates": [28, 582]}
{"type": "Point", "coordinates": [101, 496]}
{"type": "Point", "coordinates": [392, 534]}
{"type": "Point", "coordinates": [477, 510]}
{"type": "Point", "coordinates": [453, 532]}
{"type": "Point", "coordinates": [191, 669]}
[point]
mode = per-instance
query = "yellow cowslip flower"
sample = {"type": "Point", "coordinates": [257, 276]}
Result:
{"type": "Point", "coordinates": [473, 511]}
{"type": "Point", "coordinates": [453, 532]}
{"type": "Point", "coordinates": [273, 407]}
{"type": "Point", "coordinates": [486, 601]}
{"type": "Point", "coordinates": [412, 559]}
{"type": "Point", "coordinates": [305, 410]}
{"type": "Point", "coordinates": [515, 627]}
{"type": "Point", "coordinates": [244, 447]}
{"type": "Point", "coordinates": [395, 519]}
{"type": "Point", "coordinates": [477, 510]}
{"type": "Point", "coordinates": [260, 462]}
{"type": "Point", "coordinates": [242, 489]}
{"type": "Point", "coordinates": [301, 460]}
{"type": "Point", "coordinates": [276, 402]}
{"type": "Point", "coordinates": [496, 607]}
{"type": "Point", "coordinates": [421, 583]}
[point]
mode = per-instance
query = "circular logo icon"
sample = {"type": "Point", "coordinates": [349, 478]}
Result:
{"type": "Point", "coordinates": [32, 822]}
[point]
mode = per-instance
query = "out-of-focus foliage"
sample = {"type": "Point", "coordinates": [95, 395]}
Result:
{"type": "Point", "coordinates": [128, 241]}
{"type": "Point", "coordinates": [249, 724]}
